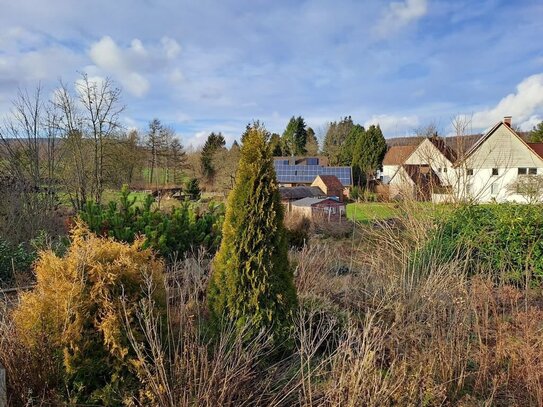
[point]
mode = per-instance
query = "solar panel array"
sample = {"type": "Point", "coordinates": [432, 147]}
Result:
{"type": "Point", "coordinates": [304, 174]}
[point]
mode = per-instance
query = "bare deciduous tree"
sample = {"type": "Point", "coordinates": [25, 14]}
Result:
{"type": "Point", "coordinates": [30, 158]}
{"type": "Point", "coordinates": [530, 187]}
{"type": "Point", "coordinates": [101, 106]}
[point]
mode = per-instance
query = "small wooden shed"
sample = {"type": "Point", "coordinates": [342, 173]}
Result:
{"type": "Point", "coordinates": [320, 208]}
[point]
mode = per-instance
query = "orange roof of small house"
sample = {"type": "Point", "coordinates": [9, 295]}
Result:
{"type": "Point", "coordinates": [396, 155]}
{"type": "Point", "coordinates": [331, 181]}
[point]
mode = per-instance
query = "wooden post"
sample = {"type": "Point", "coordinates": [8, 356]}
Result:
{"type": "Point", "coordinates": [3, 390]}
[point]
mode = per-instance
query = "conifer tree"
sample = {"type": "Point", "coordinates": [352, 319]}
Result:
{"type": "Point", "coordinates": [214, 142]}
{"type": "Point", "coordinates": [295, 137]}
{"type": "Point", "coordinates": [275, 145]}
{"type": "Point", "coordinates": [312, 144]}
{"type": "Point", "coordinates": [252, 282]}
{"type": "Point", "coordinates": [536, 135]}
{"type": "Point", "coordinates": [335, 138]}
{"type": "Point", "coordinates": [369, 152]}
{"type": "Point", "coordinates": [345, 156]}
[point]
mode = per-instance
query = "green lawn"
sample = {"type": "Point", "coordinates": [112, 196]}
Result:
{"type": "Point", "coordinates": [368, 211]}
{"type": "Point", "coordinates": [113, 195]}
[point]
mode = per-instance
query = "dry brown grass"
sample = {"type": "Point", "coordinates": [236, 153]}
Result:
{"type": "Point", "coordinates": [371, 331]}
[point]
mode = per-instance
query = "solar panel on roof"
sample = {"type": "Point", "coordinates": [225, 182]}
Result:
{"type": "Point", "coordinates": [291, 174]}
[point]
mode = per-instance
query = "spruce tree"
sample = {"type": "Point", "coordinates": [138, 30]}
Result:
{"type": "Point", "coordinates": [294, 137]}
{"type": "Point", "coordinates": [252, 282]}
{"type": "Point", "coordinates": [214, 142]}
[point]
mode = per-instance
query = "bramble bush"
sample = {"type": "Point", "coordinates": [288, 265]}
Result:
{"type": "Point", "coordinates": [505, 240]}
{"type": "Point", "coordinates": [184, 229]}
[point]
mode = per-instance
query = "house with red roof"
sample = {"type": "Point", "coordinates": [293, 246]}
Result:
{"type": "Point", "coordinates": [491, 166]}
{"type": "Point", "coordinates": [479, 169]}
{"type": "Point", "coordinates": [330, 185]}
{"type": "Point", "coordinates": [394, 158]}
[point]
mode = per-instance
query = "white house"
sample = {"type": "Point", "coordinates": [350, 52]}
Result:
{"type": "Point", "coordinates": [426, 171]}
{"type": "Point", "coordinates": [414, 181]}
{"type": "Point", "coordinates": [488, 169]}
{"type": "Point", "coordinates": [394, 158]}
{"type": "Point", "coordinates": [484, 171]}
{"type": "Point", "coordinates": [434, 152]}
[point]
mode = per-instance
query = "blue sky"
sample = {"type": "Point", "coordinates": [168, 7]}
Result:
{"type": "Point", "coordinates": [202, 66]}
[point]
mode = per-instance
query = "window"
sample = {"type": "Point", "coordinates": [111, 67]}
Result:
{"type": "Point", "coordinates": [494, 171]}
{"type": "Point", "coordinates": [522, 171]}
{"type": "Point", "coordinates": [445, 169]}
{"type": "Point", "coordinates": [494, 189]}
{"type": "Point", "coordinates": [439, 169]}
{"type": "Point", "coordinates": [469, 171]}
{"type": "Point", "coordinates": [532, 171]}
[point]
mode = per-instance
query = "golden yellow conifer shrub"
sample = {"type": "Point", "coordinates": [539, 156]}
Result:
{"type": "Point", "coordinates": [84, 302]}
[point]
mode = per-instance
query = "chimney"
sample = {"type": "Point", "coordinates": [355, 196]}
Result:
{"type": "Point", "coordinates": [507, 120]}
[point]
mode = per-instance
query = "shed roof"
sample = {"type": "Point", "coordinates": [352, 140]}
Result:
{"type": "Point", "coordinates": [300, 192]}
{"type": "Point", "coordinates": [312, 201]}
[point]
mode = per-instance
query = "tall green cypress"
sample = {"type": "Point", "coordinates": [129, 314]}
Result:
{"type": "Point", "coordinates": [252, 282]}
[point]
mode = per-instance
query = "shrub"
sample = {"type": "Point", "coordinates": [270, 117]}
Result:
{"type": "Point", "coordinates": [186, 228]}
{"type": "Point", "coordinates": [252, 282]}
{"type": "Point", "coordinates": [503, 239]}
{"type": "Point", "coordinates": [81, 303]}
{"type": "Point", "coordinates": [358, 193]}
{"type": "Point", "coordinates": [297, 230]}
{"type": "Point", "coordinates": [13, 259]}
{"type": "Point", "coordinates": [193, 189]}
{"type": "Point", "coordinates": [355, 193]}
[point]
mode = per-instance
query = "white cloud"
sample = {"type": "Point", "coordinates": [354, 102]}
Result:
{"type": "Point", "coordinates": [399, 14]}
{"type": "Point", "coordinates": [525, 104]}
{"type": "Point", "coordinates": [531, 122]}
{"type": "Point", "coordinates": [176, 76]}
{"type": "Point", "coordinates": [112, 59]}
{"type": "Point", "coordinates": [171, 47]}
{"type": "Point", "coordinates": [393, 125]}
{"type": "Point", "coordinates": [128, 65]}
{"type": "Point", "coordinates": [197, 139]}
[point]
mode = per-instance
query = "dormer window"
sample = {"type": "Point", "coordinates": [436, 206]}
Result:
{"type": "Point", "coordinates": [495, 171]}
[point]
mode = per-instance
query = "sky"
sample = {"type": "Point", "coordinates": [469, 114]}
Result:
{"type": "Point", "coordinates": [202, 66]}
